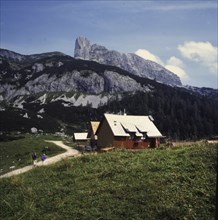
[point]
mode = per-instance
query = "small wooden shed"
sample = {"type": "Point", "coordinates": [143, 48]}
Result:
{"type": "Point", "coordinates": [80, 138]}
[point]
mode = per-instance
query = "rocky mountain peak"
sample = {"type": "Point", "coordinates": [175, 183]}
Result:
{"type": "Point", "coordinates": [129, 62]}
{"type": "Point", "coordinates": [82, 48]}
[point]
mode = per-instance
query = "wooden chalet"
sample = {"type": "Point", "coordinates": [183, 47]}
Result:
{"type": "Point", "coordinates": [128, 131]}
{"type": "Point", "coordinates": [92, 133]}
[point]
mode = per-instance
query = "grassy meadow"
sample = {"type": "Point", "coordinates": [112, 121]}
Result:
{"type": "Point", "coordinates": [172, 183]}
{"type": "Point", "coordinates": [16, 150]}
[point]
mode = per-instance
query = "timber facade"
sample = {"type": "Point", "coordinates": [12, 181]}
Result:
{"type": "Point", "coordinates": [131, 132]}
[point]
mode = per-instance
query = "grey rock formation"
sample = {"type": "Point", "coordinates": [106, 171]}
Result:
{"type": "Point", "coordinates": [29, 75]}
{"type": "Point", "coordinates": [127, 61]}
{"type": "Point", "coordinates": [82, 48]}
{"type": "Point", "coordinates": [114, 82]}
{"type": "Point", "coordinates": [75, 81]}
{"type": "Point", "coordinates": [11, 55]}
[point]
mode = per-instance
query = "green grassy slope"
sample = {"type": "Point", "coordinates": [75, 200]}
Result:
{"type": "Point", "coordinates": [18, 152]}
{"type": "Point", "coordinates": [148, 184]}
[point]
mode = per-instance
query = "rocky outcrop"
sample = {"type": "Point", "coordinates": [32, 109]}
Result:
{"type": "Point", "coordinates": [82, 48]}
{"type": "Point", "coordinates": [127, 61]}
{"type": "Point", "coordinates": [54, 74]}
{"type": "Point", "coordinates": [75, 81]}
{"type": "Point", "coordinates": [12, 55]}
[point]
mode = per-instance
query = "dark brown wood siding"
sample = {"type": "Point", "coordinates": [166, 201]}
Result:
{"type": "Point", "coordinates": [107, 139]}
{"type": "Point", "coordinates": [125, 142]}
{"type": "Point", "coordinates": [130, 144]}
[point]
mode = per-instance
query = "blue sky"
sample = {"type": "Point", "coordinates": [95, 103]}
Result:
{"type": "Point", "coordinates": [180, 35]}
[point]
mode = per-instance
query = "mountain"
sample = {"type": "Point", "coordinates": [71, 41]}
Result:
{"type": "Point", "coordinates": [42, 90]}
{"type": "Point", "coordinates": [55, 92]}
{"type": "Point", "coordinates": [204, 91]}
{"type": "Point", "coordinates": [54, 73]}
{"type": "Point", "coordinates": [127, 61]}
{"type": "Point", "coordinates": [16, 57]}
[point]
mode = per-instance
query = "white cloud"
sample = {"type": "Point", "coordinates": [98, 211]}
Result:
{"type": "Point", "coordinates": [175, 61]}
{"type": "Point", "coordinates": [173, 64]}
{"type": "Point", "coordinates": [148, 56]}
{"type": "Point", "coordinates": [178, 71]}
{"type": "Point", "coordinates": [200, 52]}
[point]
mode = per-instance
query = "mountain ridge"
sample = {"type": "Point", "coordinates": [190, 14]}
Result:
{"type": "Point", "coordinates": [59, 92]}
{"type": "Point", "coordinates": [63, 74]}
{"type": "Point", "coordinates": [17, 74]}
{"type": "Point", "coordinates": [127, 61]}
{"type": "Point", "coordinates": [12, 55]}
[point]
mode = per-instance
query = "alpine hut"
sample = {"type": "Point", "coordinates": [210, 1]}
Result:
{"type": "Point", "coordinates": [128, 131]}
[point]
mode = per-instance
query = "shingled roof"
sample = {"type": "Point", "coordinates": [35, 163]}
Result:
{"type": "Point", "coordinates": [123, 125]}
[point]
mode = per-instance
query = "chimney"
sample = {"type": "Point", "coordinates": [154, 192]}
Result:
{"type": "Point", "coordinates": [124, 112]}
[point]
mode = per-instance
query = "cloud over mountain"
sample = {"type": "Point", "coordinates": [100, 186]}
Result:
{"type": "Point", "coordinates": [149, 56]}
{"type": "Point", "coordinates": [173, 64]}
{"type": "Point", "coordinates": [203, 53]}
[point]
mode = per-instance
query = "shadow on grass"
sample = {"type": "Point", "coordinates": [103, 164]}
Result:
{"type": "Point", "coordinates": [7, 138]}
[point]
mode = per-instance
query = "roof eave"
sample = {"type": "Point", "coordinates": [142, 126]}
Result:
{"type": "Point", "coordinates": [155, 136]}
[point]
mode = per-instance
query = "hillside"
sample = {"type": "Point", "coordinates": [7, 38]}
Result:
{"type": "Point", "coordinates": [172, 183]}
{"type": "Point", "coordinates": [55, 92]}
{"type": "Point", "coordinates": [16, 150]}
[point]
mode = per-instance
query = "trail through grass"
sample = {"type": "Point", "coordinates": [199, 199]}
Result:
{"type": "Point", "coordinates": [17, 153]}
{"type": "Point", "coordinates": [146, 184]}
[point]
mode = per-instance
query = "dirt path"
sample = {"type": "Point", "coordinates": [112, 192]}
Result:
{"type": "Point", "coordinates": [69, 153]}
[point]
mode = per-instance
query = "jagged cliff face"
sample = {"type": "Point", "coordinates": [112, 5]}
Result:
{"type": "Point", "coordinates": [129, 62]}
{"type": "Point", "coordinates": [74, 81]}
{"type": "Point", "coordinates": [82, 48]}
{"type": "Point", "coordinates": [55, 92]}
{"type": "Point", "coordinates": [23, 76]}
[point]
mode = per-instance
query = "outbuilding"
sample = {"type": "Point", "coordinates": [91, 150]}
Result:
{"type": "Point", "coordinates": [80, 138]}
